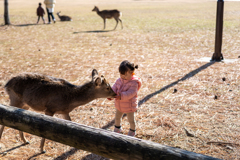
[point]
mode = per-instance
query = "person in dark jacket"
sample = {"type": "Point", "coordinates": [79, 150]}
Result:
{"type": "Point", "coordinates": [40, 13]}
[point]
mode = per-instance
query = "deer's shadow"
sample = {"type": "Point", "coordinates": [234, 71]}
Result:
{"type": "Point", "coordinates": [4, 152]}
{"type": "Point", "coordinates": [94, 31]}
{"type": "Point", "coordinates": [34, 156]}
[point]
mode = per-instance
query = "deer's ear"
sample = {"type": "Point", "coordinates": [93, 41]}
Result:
{"type": "Point", "coordinates": [105, 81]}
{"type": "Point", "coordinates": [98, 81]}
{"type": "Point", "coordinates": [94, 74]}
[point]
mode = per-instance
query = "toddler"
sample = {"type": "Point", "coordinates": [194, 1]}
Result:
{"type": "Point", "coordinates": [126, 101]}
{"type": "Point", "coordinates": [40, 12]}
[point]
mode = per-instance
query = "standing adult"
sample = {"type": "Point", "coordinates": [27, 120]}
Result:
{"type": "Point", "coordinates": [50, 4]}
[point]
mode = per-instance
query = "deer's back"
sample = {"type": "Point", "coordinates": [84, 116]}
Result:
{"type": "Point", "coordinates": [65, 18]}
{"type": "Point", "coordinates": [38, 82]}
{"type": "Point", "coordinates": [109, 13]}
{"type": "Point", "coordinates": [38, 91]}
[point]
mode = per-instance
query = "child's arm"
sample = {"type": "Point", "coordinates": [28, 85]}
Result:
{"type": "Point", "coordinates": [118, 97]}
{"type": "Point", "coordinates": [130, 93]}
{"type": "Point", "coordinates": [114, 87]}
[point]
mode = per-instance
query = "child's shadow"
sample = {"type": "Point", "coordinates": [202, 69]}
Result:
{"type": "Point", "coordinates": [25, 25]}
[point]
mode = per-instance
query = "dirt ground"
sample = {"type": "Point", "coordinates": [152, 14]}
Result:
{"type": "Point", "coordinates": [172, 41]}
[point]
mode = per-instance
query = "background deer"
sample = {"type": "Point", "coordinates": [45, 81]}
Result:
{"type": "Point", "coordinates": [53, 95]}
{"type": "Point", "coordinates": [64, 17]}
{"type": "Point", "coordinates": [109, 14]}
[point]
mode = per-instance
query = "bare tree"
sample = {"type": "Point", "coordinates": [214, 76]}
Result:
{"type": "Point", "coordinates": [6, 15]}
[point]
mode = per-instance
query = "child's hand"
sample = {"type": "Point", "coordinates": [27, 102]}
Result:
{"type": "Point", "coordinates": [118, 96]}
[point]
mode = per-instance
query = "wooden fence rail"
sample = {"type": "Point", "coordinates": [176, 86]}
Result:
{"type": "Point", "coordinates": [102, 142]}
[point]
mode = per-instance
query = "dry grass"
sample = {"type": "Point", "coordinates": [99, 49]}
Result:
{"type": "Point", "coordinates": [165, 38]}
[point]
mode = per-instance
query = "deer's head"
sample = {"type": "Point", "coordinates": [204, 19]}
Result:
{"type": "Point", "coordinates": [95, 9]}
{"type": "Point", "coordinates": [102, 87]}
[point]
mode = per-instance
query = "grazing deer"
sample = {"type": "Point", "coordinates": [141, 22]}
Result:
{"type": "Point", "coordinates": [109, 14]}
{"type": "Point", "coordinates": [64, 17]}
{"type": "Point", "coordinates": [53, 95]}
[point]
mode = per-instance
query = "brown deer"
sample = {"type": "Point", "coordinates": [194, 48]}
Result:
{"type": "Point", "coordinates": [52, 95]}
{"type": "Point", "coordinates": [109, 14]}
{"type": "Point", "coordinates": [64, 17]}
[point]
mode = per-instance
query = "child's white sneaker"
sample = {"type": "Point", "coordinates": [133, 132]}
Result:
{"type": "Point", "coordinates": [132, 133]}
{"type": "Point", "coordinates": [118, 129]}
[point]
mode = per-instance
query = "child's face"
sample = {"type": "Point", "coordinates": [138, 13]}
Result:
{"type": "Point", "coordinates": [126, 76]}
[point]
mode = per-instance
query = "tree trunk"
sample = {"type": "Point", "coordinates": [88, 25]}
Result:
{"type": "Point", "coordinates": [102, 142]}
{"type": "Point", "coordinates": [6, 15]}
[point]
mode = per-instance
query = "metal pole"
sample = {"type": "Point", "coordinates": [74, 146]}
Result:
{"type": "Point", "coordinates": [6, 14]}
{"type": "Point", "coordinates": [217, 55]}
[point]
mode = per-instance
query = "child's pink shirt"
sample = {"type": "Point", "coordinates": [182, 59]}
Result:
{"type": "Point", "coordinates": [128, 90]}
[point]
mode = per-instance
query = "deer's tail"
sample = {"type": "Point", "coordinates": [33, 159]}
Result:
{"type": "Point", "coordinates": [120, 14]}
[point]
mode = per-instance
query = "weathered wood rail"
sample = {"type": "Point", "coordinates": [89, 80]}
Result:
{"type": "Point", "coordinates": [98, 141]}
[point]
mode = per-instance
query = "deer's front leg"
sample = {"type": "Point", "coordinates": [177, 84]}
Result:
{"type": "Point", "coordinates": [1, 131]}
{"type": "Point", "coordinates": [23, 137]}
{"type": "Point", "coordinates": [66, 116]}
{"type": "Point", "coordinates": [49, 113]}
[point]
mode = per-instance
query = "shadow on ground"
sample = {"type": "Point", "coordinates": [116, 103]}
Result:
{"type": "Point", "coordinates": [95, 31]}
{"type": "Point", "coordinates": [34, 156]}
{"type": "Point", "coordinates": [25, 25]}
{"type": "Point", "coordinates": [5, 152]}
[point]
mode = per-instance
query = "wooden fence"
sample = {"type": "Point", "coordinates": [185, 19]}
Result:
{"type": "Point", "coordinates": [99, 141]}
